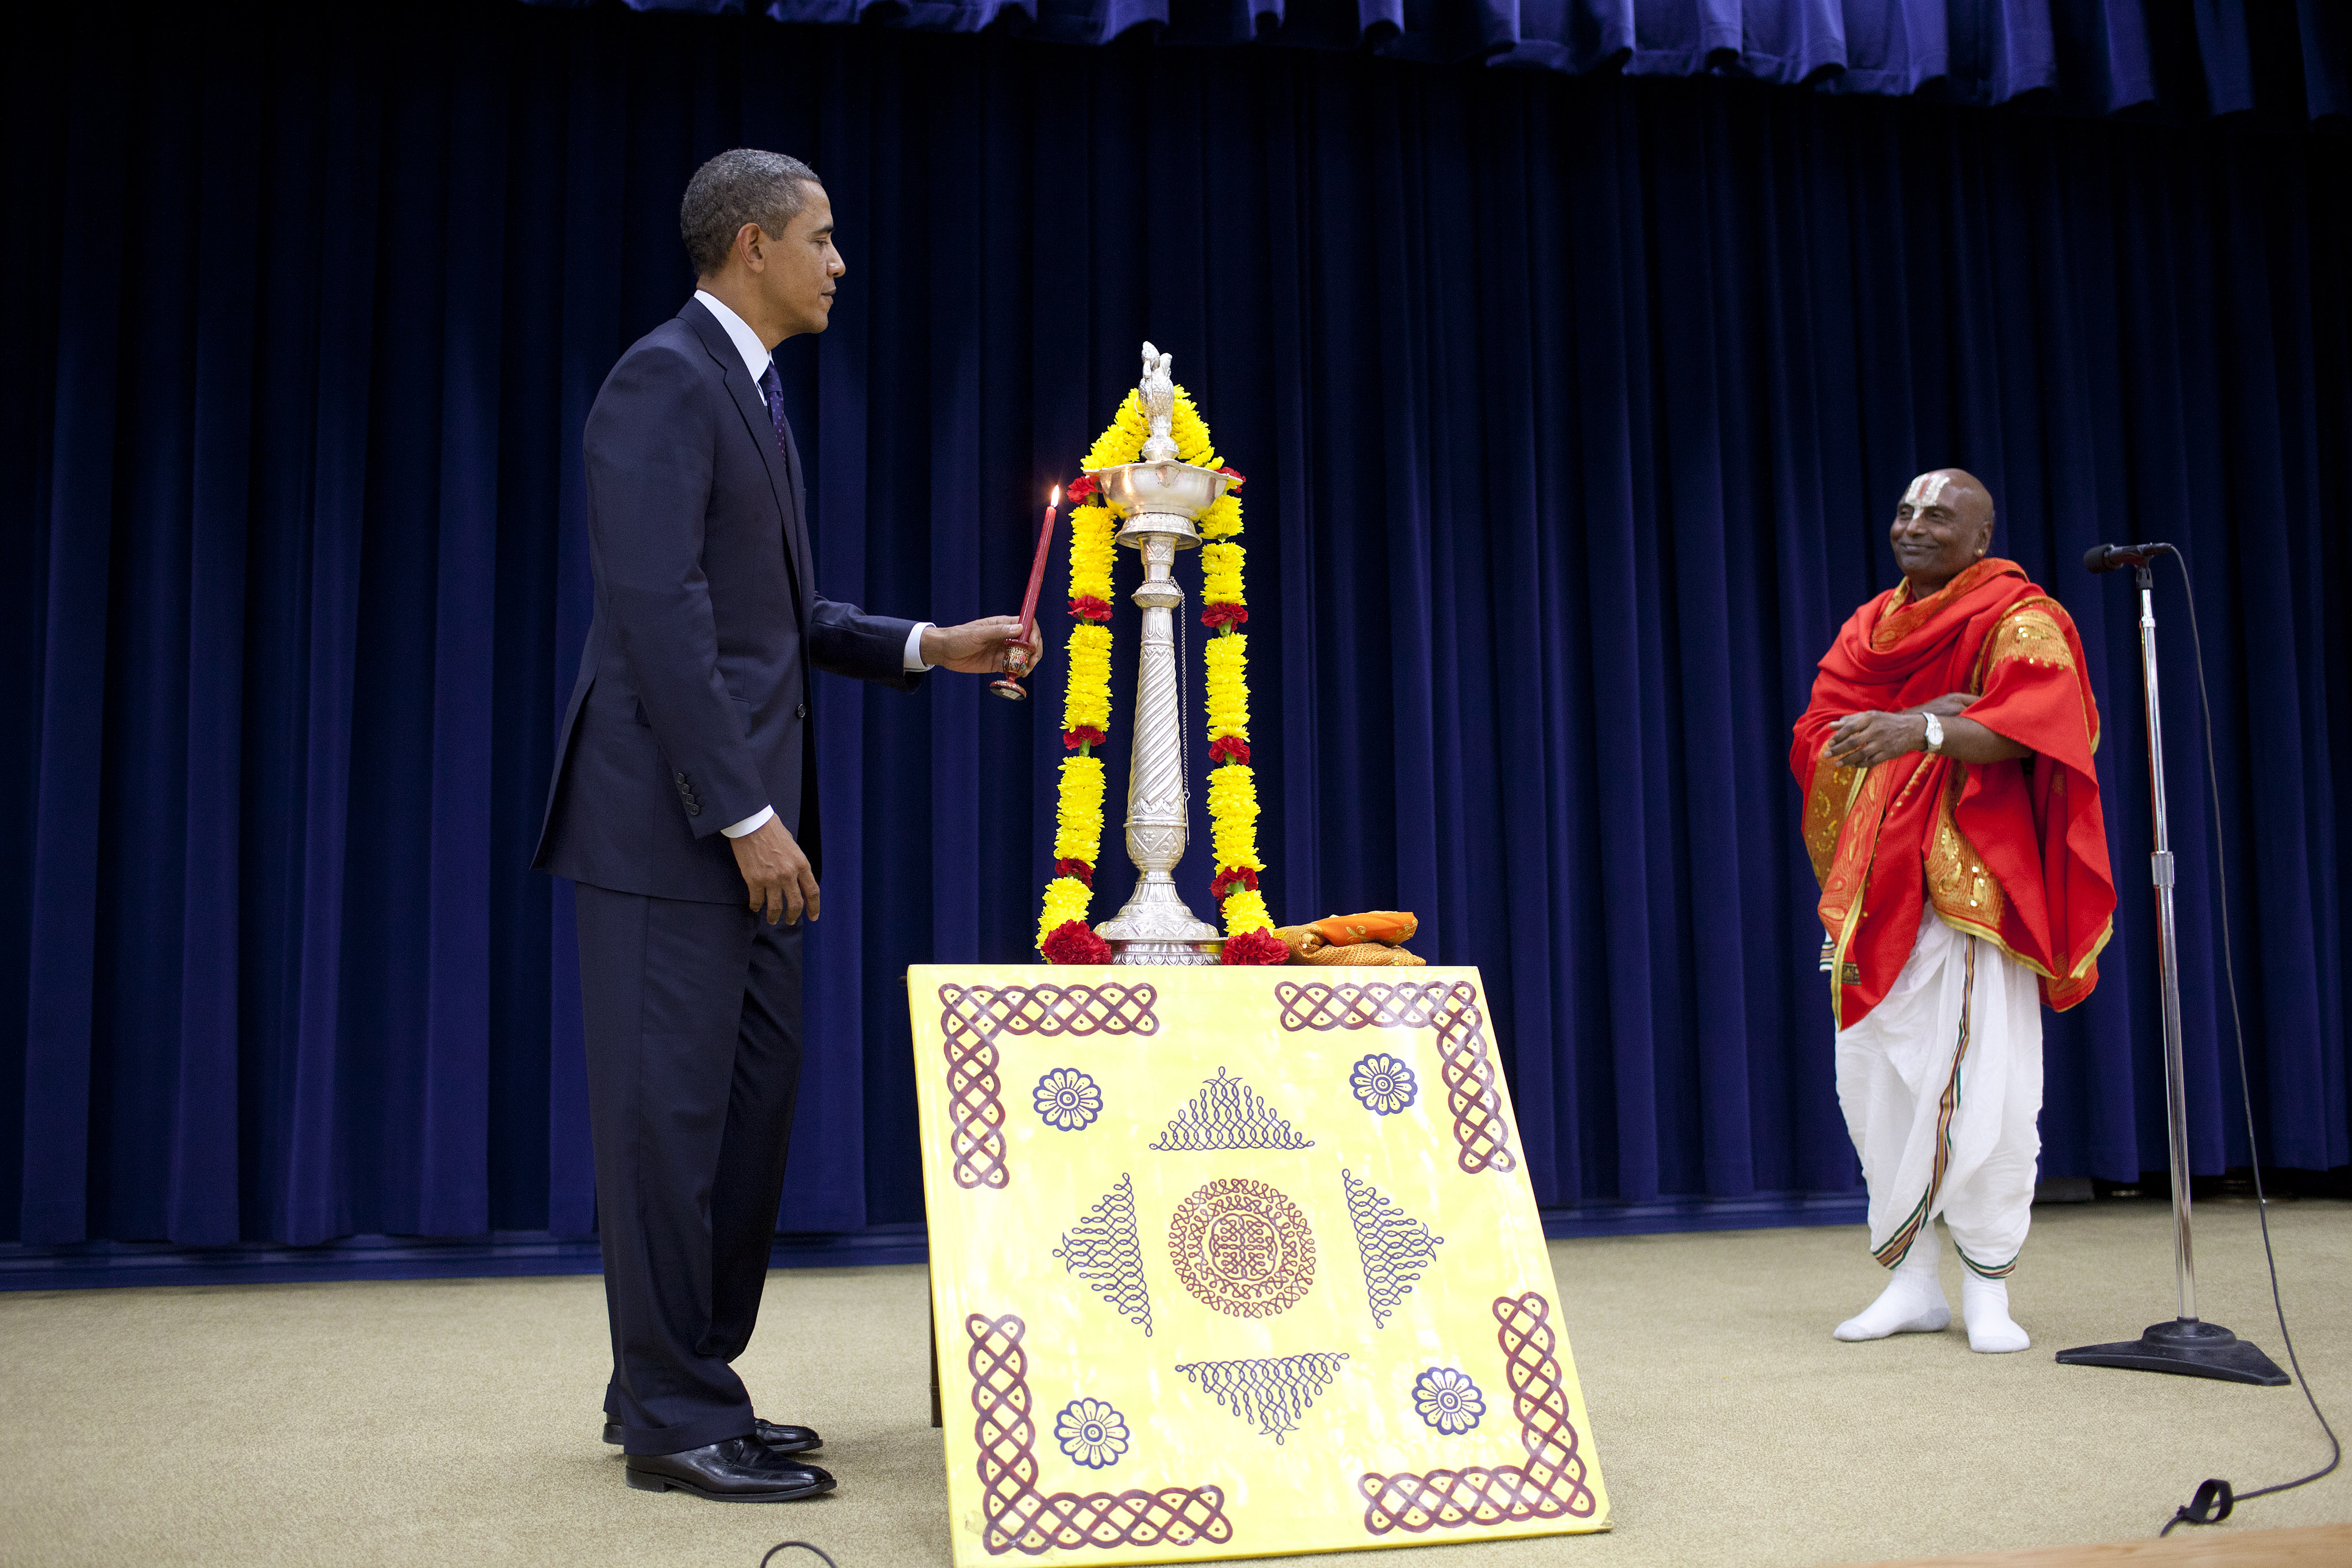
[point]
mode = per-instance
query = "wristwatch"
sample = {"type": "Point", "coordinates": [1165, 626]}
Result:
{"type": "Point", "coordinates": [1935, 735]}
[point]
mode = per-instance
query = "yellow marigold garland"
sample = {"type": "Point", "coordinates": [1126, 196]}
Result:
{"type": "Point", "coordinates": [1081, 833]}
{"type": "Point", "coordinates": [1086, 701]}
{"type": "Point", "coordinates": [1092, 532]}
{"type": "Point", "coordinates": [1233, 783]}
{"type": "Point", "coordinates": [1086, 706]}
{"type": "Point", "coordinates": [1228, 697]}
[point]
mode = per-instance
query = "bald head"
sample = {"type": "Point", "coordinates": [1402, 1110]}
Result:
{"type": "Point", "coordinates": [1943, 524]}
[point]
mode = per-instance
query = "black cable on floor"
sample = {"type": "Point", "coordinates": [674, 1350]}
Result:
{"type": "Point", "coordinates": [2214, 1499]}
{"type": "Point", "coordinates": [788, 1545]}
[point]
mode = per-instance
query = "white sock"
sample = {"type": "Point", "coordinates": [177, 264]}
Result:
{"type": "Point", "coordinates": [1913, 1301]}
{"type": "Point", "coordinates": [1984, 1306]}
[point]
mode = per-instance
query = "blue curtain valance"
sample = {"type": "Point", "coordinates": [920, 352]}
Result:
{"type": "Point", "coordinates": [2186, 58]}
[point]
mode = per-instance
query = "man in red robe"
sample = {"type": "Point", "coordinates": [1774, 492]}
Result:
{"type": "Point", "coordinates": [1952, 815]}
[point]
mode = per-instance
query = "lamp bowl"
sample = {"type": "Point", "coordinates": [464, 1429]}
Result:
{"type": "Point", "coordinates": [1169, 491]}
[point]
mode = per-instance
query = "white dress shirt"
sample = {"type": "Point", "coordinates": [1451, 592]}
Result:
{"type": "Point", "coordinates": [755, 365]}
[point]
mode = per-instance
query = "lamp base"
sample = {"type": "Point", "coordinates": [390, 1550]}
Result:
{"type": "Point", "coordinates": [1167, 952]}
{"type": "Point", "coordinates": [2187, 1347]}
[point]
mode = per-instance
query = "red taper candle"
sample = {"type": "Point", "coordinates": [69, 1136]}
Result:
{"type": "Point", "coordinates": [1017, 658]}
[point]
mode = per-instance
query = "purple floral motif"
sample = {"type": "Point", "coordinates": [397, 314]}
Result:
{"type": "Point", "coordinates": [1448, 1400]}
{"type": "Point", "coordinates": [1067, 1099]}
{"type": "Point", "coordinates": [1383, 1084]}
{"type": "Point", "coordinates": [1091, 1433]}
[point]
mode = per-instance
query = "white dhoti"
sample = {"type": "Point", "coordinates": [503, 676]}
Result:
{"type": "Point", "coordinates": [1941, 1085]}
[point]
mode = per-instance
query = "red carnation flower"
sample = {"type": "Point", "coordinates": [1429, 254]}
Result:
{"type": "Point", "coordinates": [1072, 942]}
{"type": "Point", "coordinates": [1252, 947]}
{"type": "Point", "coordinates": [1085, 735]}
{"type": "Point", "coordinates": [1230, 749]}
{"type": "Point", "coordinates": [1080, 488]}
{"type": "Point", "coordinates": [1079, 869]}
{"type": "Point", "coordinates": [1225, 881]}
{"type": "Point", "coordinates": [1086, 607]}
{"type": "Point", "coordinates": [1224, 615]}
{"type": "Point", "coordinates": [1238, 479]}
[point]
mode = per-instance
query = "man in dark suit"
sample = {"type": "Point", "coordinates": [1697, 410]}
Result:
{"type": "Point", "coordinates": [684, 806]}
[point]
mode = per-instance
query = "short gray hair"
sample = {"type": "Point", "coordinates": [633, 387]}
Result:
{"type": "Point", "coordinates": [742, 186]}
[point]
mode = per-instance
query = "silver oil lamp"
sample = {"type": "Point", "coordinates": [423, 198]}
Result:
{"type": "Point", "coordinates": [1158, 500]}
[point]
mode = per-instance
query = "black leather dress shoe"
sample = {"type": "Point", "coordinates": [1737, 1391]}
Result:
{"type": "Point", "coordinates": [741, 1470]}
{"type": "Point", "coordinates": [777, 1439]}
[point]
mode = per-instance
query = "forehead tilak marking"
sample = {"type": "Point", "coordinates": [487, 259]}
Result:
{"type": "Point", "coordinates": [1924, 491]}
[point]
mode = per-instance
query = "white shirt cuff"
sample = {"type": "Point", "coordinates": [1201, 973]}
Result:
{"type": "Point", "coordinates": [753, 823]}
{"type": "Point", "coordinates": [914, 656]}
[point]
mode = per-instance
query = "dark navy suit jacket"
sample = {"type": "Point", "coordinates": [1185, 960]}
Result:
{"type": "Point", "coordinates": [691, 709]}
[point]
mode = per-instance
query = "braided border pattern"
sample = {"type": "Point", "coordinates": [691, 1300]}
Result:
{"type": "Point", "coordinates": [1552, 1483]}
{"type": "Point", "coordinates": [973, 1016]}
{"type": "Point", "coordinates": [1015, 1516]}
{"type": "Point", "coordinates": [1449, 1006]}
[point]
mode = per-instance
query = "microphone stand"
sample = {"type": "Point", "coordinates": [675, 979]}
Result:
{"type": "Point", "coordinates": [2186, 1345]}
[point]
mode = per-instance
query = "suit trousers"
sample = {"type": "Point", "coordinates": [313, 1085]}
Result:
{"type": "Point", "coordinates": [692, 1013]}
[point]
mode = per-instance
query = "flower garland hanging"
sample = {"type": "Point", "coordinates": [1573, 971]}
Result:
{"type": "Point", "coordinates": [1063, 934]}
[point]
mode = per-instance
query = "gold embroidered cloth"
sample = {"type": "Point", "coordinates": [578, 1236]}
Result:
{"type": "Point", "coordinates": [2014, 851]}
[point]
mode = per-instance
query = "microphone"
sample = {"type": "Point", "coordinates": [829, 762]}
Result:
{"type": "Point", "coordinates": [2113, 558]}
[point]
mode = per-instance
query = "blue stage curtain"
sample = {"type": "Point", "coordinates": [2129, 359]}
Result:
{"type": "Point", "coordinates": [2096, 57]}
{"type": "Point", "coordinates": [1573, 408]}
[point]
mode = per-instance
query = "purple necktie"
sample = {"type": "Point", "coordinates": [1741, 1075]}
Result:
{"type": "Point", "coordinates": [773, 386]}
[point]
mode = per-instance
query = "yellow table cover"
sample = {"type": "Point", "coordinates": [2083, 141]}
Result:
{"type": "Point", "coordinates": [1233, 1262]}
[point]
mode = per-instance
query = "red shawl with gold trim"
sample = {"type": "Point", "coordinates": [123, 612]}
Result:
{"type": "Point", "coordinates": [2014, 851]}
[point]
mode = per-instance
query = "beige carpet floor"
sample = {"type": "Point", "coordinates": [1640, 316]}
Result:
{"type": "Point", "coordinates": [455, 1421]}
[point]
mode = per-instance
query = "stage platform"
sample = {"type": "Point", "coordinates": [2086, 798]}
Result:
{"type": "Point", "coordinates": [438, 1421]}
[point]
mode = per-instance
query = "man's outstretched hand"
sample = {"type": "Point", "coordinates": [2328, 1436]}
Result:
{"type": "Point", "coordinates": [978, 647]}
{"type": "Point", "coordinates": [776, 873]}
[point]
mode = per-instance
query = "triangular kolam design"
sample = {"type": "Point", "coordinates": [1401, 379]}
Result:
{"type": "Point", "coordinates": [1101, 1249]}
{"type": "Point", "coordinates": [1275, 1392]}
{"type": "Point", "coordinates": [1396, 1248]}
{"type": "Point", "coordinates": [1227, 1114]}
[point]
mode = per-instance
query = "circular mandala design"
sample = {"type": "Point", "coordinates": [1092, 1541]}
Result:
{"type": "Point", "coordinates": [1383, 1085]}
{"type": "Point", "coordinates": [1242, 1248]}
{"type": "Point", "coordinates": [1067, 1099]}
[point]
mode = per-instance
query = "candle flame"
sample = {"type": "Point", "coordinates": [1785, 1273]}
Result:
{"type": "Point", "coordinates": [1056, 499]}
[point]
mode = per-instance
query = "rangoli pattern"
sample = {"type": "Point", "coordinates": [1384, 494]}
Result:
{"type": "Point", "coordinates": [1015, 1516]}
{"type": "Point", "coordinates": [1103, 1250]}
{"type": "Point", "coordinates": [1550, 1484]}
{"type": "Point", "coordinates": [1242, 1249]}
{"type": "Point", "coordinates": [1272, 1393]}
{"type": "Point", "coordinates": [973, 1016]}
{"type": "Point", "coordinates": [1226, 1114]}
{"type": "Point", "coordinates": [1396, 1248]}
{"type": "Point", "coordinates": [1449, 1006]}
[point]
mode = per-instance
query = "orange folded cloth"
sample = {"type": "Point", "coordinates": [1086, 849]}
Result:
{"type": "Point", "coordinates": [1388, 925]}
